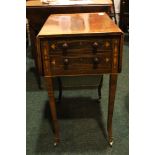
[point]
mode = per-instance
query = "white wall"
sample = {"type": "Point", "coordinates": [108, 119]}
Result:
{"type": "Point", "coordinates": [117, 6]}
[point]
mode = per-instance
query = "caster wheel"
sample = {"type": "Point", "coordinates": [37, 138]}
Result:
{"type": "Point", "coordinates": [55, 144]}
{"type": "Point", "coordinates": [111, 143]}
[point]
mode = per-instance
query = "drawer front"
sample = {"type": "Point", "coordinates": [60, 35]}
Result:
{"type": "Point", "coordinates": [85, 64]}
{"type": "Point", "coordinates": [69, 47]}
{"type": "Point", "coordinates": [81, 60]}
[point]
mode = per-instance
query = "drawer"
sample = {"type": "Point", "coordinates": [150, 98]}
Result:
{"type": "Point", "coordinates": [83, 46]}
{"type": "Point", "coordinates": [85, 64]}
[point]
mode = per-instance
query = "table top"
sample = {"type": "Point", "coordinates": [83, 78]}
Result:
{"type": "Point", "coordinates": [79, 23]}
{"type": "Point", "coordinates": [38, 3]}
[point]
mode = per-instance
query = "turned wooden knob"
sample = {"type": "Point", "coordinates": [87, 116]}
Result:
{"type": "Point", "coordinates": [66, 61]}
{"type": "Point", "coordinates": [95, 45]}
{"type": "Point", "coordinates": [96, 61]}
{"type": "Point", "coordinates": [65, 46]}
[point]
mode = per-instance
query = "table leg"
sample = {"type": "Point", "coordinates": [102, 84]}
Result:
{"type": "Point", "coordinates": [112, 91]}
{"type": "Point", "coordinates": [60, 89]}
{"type": "Point", "coordinates": [49, 86]}
{"type": "Point", "coordinates": [99, 89]}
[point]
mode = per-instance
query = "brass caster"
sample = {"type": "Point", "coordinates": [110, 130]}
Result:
{"type": "Point", "coordinates": [111, 143]}
{"type": "Point", "coordinates": [55, 144]}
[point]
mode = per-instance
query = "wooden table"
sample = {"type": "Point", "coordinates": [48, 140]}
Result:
{"type": "Point", "coordinates": [37, 13]}
{"type": "Point", "coordinates": [78, 45]}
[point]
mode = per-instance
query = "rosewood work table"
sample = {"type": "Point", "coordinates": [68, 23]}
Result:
{"type": "Point", "coordinates": [78, 45]}
{"type": "Point", "coordinates": [37, 13]}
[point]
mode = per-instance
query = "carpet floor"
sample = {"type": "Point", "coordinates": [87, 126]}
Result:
{"type": "Point", "coordinates": [82, 120]}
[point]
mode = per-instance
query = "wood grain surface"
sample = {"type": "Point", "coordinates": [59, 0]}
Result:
{"type": "Point", "coordinates": [81, 23]}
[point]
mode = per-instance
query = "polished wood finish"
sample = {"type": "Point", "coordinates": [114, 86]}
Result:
{"type": "Point", "coordinates": [56, 127]}
{"type": "Point", "coordinates": [78, 24]}
{"type": "Point", "coordinates": [93, 46]}
{"type": "Point", "coordinates": [60, 89]}
{"type": "Point", "coordinates": [35, 3]}
{"type": "Point", "coordinates": [112, 90]}
{"type": "Point", "coordinates": [37, 13]}
{"type": "Point", "coordinates": [99, 89]}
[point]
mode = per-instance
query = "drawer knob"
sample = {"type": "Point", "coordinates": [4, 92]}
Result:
{"type": "Point", "coordinates": [96, 61]}
{"type": "Point", "coordinates": [65, 46]}
{"type": "Point", "coordinates": [107, 59]}
{"type": "Point", "coordinates": [95, 45]}
{"type": "Point", "coordinates": [66, 61]}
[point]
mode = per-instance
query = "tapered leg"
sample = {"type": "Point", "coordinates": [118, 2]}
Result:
{"type": "Point", "coordinates": [112, 91]}
{"type": "Point", "coordinates": [99, 89]}
{"type": "Point", "coordinates": [60, 89]}
{"type": "Point", "coordinates": [49, 85]}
